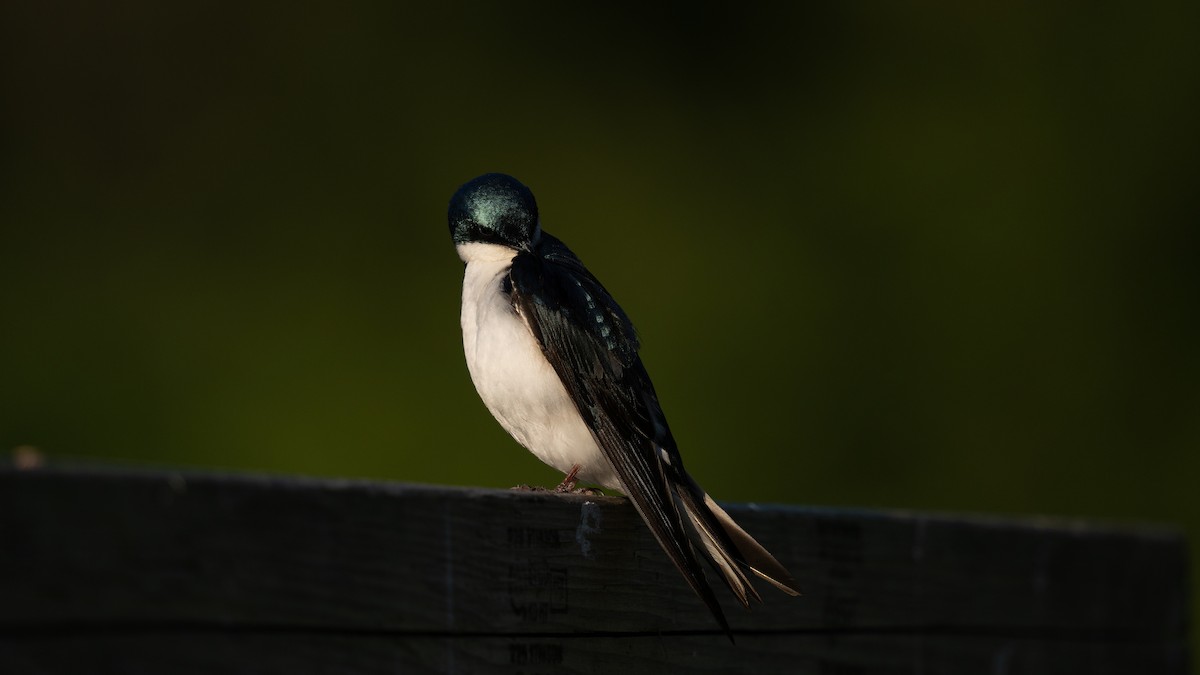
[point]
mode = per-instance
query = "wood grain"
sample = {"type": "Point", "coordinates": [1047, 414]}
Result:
{"type": "Point", "coordinates": [156, 572]}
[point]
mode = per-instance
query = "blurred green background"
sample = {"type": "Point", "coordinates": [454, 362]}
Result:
{"type": "Point", "coordinates": [930, 256]}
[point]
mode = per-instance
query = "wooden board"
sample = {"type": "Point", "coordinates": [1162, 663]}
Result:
{"type": "Point", "coordinates": [160, 572]}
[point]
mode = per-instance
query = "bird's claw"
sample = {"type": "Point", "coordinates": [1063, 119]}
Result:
{"type": "Point", "coordinates": [566, 487]}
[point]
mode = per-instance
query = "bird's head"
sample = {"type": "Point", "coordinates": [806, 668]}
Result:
{"type": "Point", "coordinates": [495, 209]}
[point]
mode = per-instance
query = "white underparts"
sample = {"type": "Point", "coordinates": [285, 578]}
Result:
{"type": "Point", "coordinates": [514, 379]}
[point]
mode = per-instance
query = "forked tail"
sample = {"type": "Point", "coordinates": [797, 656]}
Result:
{"type": "Point", "coordinates": [730, 549]}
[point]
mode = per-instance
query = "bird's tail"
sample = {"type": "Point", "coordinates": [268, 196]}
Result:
{"type": "Point", "coordinates": [730, 549]}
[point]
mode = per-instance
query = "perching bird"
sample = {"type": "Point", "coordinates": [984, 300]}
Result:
{"type": "Point", "coordinates": [555, 360]}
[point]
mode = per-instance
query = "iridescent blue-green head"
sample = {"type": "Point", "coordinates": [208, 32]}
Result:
{"type": "Point", "coordinates": [494, 209]}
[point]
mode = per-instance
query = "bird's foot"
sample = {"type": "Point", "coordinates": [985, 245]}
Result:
{"type": "Point", "coordinates": [567, 486]}
{"type": "Point", "coordinates": [568, 481]}
{"type": "Point", "coordinates": [585, 491]}
{"type": "Point", "coordinates": [588, 492]}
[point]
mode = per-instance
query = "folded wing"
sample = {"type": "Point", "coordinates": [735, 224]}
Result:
{"type": "Point", "coordinates": [592, 346]}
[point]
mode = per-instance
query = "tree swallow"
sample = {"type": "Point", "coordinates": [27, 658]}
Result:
{"type": "Point", "coordinates": [555, 360]}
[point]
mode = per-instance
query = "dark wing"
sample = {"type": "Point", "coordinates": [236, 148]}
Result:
{"type": "Point", "coordinates": [592, 346]}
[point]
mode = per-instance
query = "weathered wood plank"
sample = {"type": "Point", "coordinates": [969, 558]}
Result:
{"type": "Point", "coordinates": [166, 572]}
{"type": "Point", "coordinates": [321, 653]}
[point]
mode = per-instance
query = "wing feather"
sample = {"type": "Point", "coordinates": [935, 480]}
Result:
{"type": "Point", "coordinates": [593, 347]}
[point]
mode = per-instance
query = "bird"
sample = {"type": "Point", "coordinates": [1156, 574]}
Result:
{"type": "Point", "coordinates": [555, 360]}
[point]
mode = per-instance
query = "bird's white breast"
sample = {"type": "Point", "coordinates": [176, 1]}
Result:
{"type": "Point", "coordinates": [514, 379]}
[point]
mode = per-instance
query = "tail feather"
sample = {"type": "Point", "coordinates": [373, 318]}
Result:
{"type": "Point", "coordinates": [719, 554]}
{"type": "Point", "coordinates": [730, 547]}
{"type": "Point", "coordinates": [758, 559]}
